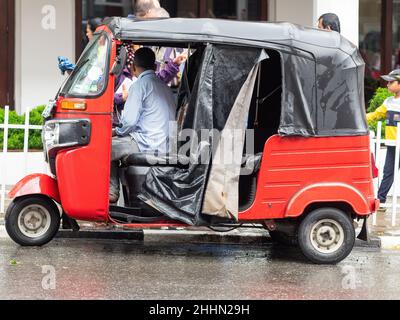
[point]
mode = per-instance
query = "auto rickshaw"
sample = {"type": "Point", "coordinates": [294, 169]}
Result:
{"type": "Point", "coordinates": [298, 90]}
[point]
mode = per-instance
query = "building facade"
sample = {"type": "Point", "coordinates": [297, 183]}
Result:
{"type": "Point", "coordinates": [33, 33]}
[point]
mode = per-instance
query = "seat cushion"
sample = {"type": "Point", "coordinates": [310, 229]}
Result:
{"type": "Point", "coordinates": [250, 163]}
{"type": "Point", "coordinates": [157, 160]}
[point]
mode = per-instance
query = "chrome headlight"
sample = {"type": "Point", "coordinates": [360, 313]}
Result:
{"type": "Point", "coordinates": [50, 136]}
{"type": "Point", "coordinates": [61, 134]}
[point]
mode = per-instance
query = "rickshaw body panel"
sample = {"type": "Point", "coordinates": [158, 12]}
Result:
{"type": "Point", "coordinates": [327, 193]}
{"type": "Point", "coordinates": [36, 184]}
{"type": "Point", "coordinates": [83, 173]}
{"type": "Point", "coordinates": [299, 171]}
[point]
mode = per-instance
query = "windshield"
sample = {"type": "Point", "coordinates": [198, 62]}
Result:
{"type": "Point", "coordinates": [89, 77]}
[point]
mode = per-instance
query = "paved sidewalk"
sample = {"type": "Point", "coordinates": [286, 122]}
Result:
{"type": "Point", "coordinates": [389, 235]}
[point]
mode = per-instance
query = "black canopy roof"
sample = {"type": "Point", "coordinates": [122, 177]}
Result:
{"type": "Point", "coordinates": [228, 31]}
{"type": "Point", "coordinates": [323, 72]}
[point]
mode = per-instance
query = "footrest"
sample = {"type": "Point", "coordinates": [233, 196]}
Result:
{"type": "Point", "coordinates": [132, 215]}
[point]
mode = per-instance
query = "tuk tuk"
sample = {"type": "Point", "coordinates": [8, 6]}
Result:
{"type": "Point", "coordinates": [284, 102]}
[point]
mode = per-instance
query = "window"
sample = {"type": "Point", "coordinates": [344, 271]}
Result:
{"type": "Point", "coordinates": [396, 34]}
{"type": "Point", "coordinates": [379, 47]}
{"type": "Point", "coordinates": [251, 10]}
{"type": "Point", "coordinates": [181, 8]}
{"type": "Point", "coordinates": [370, 43]}
{"type": "Point", "coordinates": [235, 10]}
{"type": "Point", "coordinates": [89, 76]}
{"type": "Point", "coordinates": [106, 8]}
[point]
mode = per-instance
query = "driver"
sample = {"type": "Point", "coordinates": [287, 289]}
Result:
{"type": "Point", "coordinates": [145, 122]}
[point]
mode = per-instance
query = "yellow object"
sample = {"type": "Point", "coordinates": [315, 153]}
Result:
{"type": "Point", "coordinates": [73, 105]}
{"type": "Point", "coordinates": [389, 111]}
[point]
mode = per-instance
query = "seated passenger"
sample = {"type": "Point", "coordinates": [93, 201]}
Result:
{"type": "Point", "coordinates": [149, 109]}
{"type": "Point", "coordinates": [167, 74]}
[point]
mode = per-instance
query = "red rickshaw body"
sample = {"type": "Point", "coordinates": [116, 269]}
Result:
{"type": "Point", "coordinates": [298, 175]}
{"type": "Point", "coordinates": [83, 173]}
{"type": "Point", "coordinates": [290, 179]}
{"type": "Point", "coordinates": [295, 173]}
{"type": "Point", "coordinates": [298, 172]}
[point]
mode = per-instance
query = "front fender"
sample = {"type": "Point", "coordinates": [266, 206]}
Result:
{"type": "Point", "coordinates": [327, 192]}
{"type": "Point", "coordinates": [36, 184]}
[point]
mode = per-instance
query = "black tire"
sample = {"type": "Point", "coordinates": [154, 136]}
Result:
{"type": "Point", "coordinates": [284, 238]}
{"type": "Point", "coordinates": [333, 247]}
{"type": "Point", "coordinates": [46, 213]}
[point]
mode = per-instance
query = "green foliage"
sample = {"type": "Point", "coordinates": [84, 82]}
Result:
{"type": "Point", "coordinates": [371, 85]}
{"type": "Point", "coordinates": [377, 100]}
{"type": "Point", "coordinates": [16, 136]}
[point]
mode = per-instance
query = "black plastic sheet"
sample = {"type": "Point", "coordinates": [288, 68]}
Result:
{"type": "Point", "coordinates": [178, 193]}
{"type": "Point", "coordinates": [323, 96]}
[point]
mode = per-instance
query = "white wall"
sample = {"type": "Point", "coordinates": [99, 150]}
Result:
{"type": "Point", "coordinates": [299, 11]}
{"type": "Point", "coordinates": [15, 166]}
{"type": "Point", "coordinates": [348, 12]}
{"type": "Point", "coordinates": [307, 12]}
{"type": "Point", "coordinates": [41, 36]}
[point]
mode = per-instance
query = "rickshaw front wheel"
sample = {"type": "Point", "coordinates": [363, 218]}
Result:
{"type": "Point", "coordinates": [32, 221]}
{"type": "Point", "coordinates": [326, 236]}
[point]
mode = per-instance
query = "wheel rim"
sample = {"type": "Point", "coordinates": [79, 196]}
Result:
{"type": "Point", "coordinates": [327, 236]}
{"type": "Point", "coordinates": [34, 221]}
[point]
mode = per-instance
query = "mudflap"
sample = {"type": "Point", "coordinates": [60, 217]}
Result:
{"type": "Point", "coordinates": [69, 223]}
{"type": "Point", "coordinates": [364, 234]}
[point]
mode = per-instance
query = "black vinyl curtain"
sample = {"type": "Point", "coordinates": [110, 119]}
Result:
{"type": "Point", "coordinates": [179, 193]}
{"type": "Point", "coordinates": [323, 97]}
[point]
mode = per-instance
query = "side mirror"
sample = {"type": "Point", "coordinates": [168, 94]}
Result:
{"type": "Point", "coordinates": [120, 62]}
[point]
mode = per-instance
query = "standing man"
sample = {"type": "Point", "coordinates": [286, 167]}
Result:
{"type": "Point", "coordinates": [329, 21]}
{"type": "Point", "coordinates": [142, 7]}
{"type": "Point", "coordinates": [149, 109]}
{"type": "Point", "coordinates": [390, 110]}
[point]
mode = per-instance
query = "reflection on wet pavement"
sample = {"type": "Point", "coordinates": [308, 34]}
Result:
{"type": "Point", "coordinates": [153, 270]}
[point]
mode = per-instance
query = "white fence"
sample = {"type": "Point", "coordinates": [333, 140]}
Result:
{"type": "Point", "coordinates": [3, 164]}
{"type": "Point", "coordinates": [377, 147]}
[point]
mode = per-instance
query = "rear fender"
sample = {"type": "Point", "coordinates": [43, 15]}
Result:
{"type": "Point", "coordinates": [327, 192]}
{"type": "Point", "coordinates": [36, 184]}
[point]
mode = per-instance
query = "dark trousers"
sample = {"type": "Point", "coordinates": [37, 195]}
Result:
{"type": "Point", "coordinates": [121, 147]}
{"type": "Point", "coordinates": [388, 174]}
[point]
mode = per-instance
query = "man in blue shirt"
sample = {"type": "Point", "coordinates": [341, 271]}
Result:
{"type": "Point", "coordinates": [145, 123]}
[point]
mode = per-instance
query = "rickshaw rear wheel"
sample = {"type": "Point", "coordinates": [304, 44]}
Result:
{"type": "Point", "coordinates": [326, 236]}
{"type": "Point", "coordinates": [32, 221]}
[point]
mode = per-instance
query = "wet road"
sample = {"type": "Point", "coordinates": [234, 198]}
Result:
{"type": "Point", "coordinates": [79, 269]}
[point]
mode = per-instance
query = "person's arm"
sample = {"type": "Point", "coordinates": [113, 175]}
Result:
{"type": "Point", "coordinates": [118, 99]}
{"type": "Point", "coordinates": [378, 114]}
{"type": "Point", "coordinates": [130, 115]}
{"type": "Point", "coordinates": [169, 72]}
